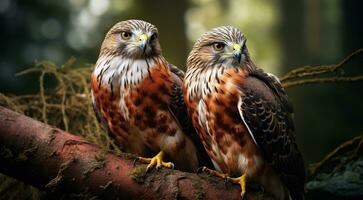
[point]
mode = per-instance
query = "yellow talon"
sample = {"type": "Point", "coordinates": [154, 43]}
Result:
{"type": "Point", "coordinates": [156, 161]}
{"type": "Point", "coordinates": [213, 172]}
{"type": "Point", "coordinates": [241, 181]}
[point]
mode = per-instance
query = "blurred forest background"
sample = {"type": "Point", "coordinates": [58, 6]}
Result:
{"type": "Point", "coordinates": [282, 35]}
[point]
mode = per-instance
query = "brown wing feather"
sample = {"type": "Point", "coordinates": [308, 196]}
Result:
{"type": "Point", "coordinates": [176, 71]}
{"type": "Point", "coordinates": [179, 110]}
{"type": "Point", "coordinates": [267, 112]}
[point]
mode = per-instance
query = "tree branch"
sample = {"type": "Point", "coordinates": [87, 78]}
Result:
{"type": "Point", "coordinates": [313, 74]}
{"type": "Point", "coordinates": [54, 160]}
{"type": "Point", "coordinates": [321, 80]}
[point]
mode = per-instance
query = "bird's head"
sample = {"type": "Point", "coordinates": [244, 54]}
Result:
{"type": "Point", "coordinates": [222, 46]}
{"type": "Point", "coordinates": [132, 39]}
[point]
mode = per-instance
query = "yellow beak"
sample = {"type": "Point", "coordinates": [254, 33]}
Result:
{"type": "Point", "coordinates": [236, 47]}
{"type": "Point", "coordinates": [143, 41]}
{"type": "Point", "coordinates": [237, 52]}
{"type": "Point", "coordinates": [143, 37]}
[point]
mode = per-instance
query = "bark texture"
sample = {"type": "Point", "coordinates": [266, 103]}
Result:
{"type": "Point", "coordinates": [59, 162]}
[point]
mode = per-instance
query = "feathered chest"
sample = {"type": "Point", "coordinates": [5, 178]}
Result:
{"type": "Point", "coordinates": [216, 116]}
{"type": "Point", "coordinates": [212, 98]}
{"type": "Point", "coordinates": [137, 91]}
{"type": "Point", "coordinates": [134, 102]}
{"type": "Point", "coordinates": [219, 85]}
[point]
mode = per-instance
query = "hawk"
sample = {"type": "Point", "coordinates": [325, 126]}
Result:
{"type": "Point", "coordinates": [242, 115]}
{"type": "Point", "coordinates": [137, 95]}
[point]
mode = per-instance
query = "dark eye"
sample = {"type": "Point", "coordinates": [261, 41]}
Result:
{"type": "Point", "coordinates": [126, 35]}
{"type": "Point", "coordinates": [218, 46]}
{"type": "Point", "coordinates": [154, 36]}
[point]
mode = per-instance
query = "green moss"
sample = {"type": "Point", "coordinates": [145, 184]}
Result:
{"type": "Point", "coordinates": [98, 162]}
{"type": "Point", "coordinates": [138, 174]}
{"type": "Point", "coordinates": [129, 156]}
{"type": "Point", "coordinates": [101, 158]}
{"type": "Point", "coordinates": [124, 155]}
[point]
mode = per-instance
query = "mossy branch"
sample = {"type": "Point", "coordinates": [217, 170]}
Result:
{"type": "Point", "coordinates": [317, 74]}
{"type": "Point", "coordinates": [351, 150]}
{"type": "Point", "coordinates": [68, 164]}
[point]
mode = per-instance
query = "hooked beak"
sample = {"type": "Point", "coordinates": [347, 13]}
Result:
{"type": "Point", "coordinates": [143, 39]}
{"type": "Point", "coordinates": [237, 53]}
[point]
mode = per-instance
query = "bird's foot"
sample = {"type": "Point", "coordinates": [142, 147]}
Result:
{"type": "Point", "coordinates": [242, 182]}
{"type": "Point", "coordinates": [157, 162]}
{"type": "Point", "coordinates": [239, 180]}
{"type": "Point", "coordinates": [211, 172]}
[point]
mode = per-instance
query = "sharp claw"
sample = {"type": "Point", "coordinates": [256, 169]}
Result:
{"type": "Point", "coordinates": [199, 170]}
{"type": "Point", "coordinates": [156, 162]}
{"type": "Point", "coordinates": [243, 196]}
{"type": "Point", "coordinates": [134, 163]}
{"type": "Point", "coordinates": [243, 188]}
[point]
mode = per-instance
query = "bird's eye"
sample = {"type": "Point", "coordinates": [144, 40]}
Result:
{"type": "Point", "coordinates": [218, 46]}
{"type": "Point", "coordinates": [126, 35]}
{"type": "Point", "coordinates": [154, 36]}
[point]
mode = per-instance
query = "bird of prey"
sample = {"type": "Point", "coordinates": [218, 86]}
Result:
{"type": "Point", "coordinates": [137, 95]}
{"type": "Point", "coordinates": [243, 116]}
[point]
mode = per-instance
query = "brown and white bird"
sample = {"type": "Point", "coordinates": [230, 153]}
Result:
{"type": "Point", "coordinates": [137, 94]}
{"type": "Point", "coordinates": [243, 116]}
